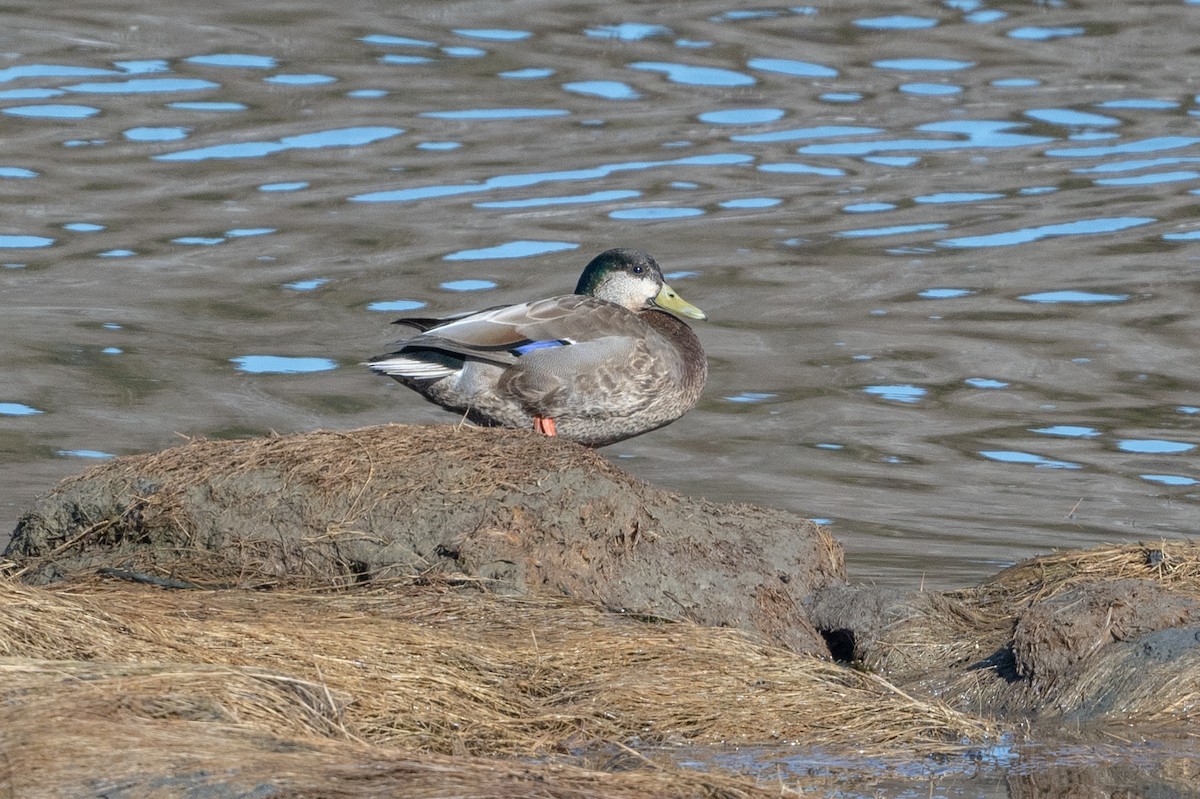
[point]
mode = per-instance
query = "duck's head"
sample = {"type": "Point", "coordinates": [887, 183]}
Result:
{"type": "Point", "coordinates": [632, 279]}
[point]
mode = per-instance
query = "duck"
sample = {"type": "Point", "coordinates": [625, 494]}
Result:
{"type": "Point", "coordinates": [613, 360]}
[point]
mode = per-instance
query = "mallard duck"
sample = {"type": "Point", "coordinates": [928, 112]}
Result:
{"type": "Point", "coordinates": [611, 361]}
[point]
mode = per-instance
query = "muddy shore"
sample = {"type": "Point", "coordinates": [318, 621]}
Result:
{"type": "Point", "coordinates": [437, 602]}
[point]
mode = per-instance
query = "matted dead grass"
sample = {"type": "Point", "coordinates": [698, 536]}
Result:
{"type": "Point", "coordinates": [99, 741]}
{"type": "Point", "coordinates": [1175, 565]}
{"type": "Point", "coordinates": [1101, 635]}
{"type": "Point", "coordinates": [451, 673]}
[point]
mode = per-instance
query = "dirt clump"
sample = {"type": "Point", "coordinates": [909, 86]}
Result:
{"type": "Point", "coordinates": [1104, 635]}
{"type": "Point", "coordinates": [506, 511]}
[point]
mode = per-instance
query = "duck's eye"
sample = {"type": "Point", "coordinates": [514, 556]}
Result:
{"type": "Point", "coordinates": [637, 270]}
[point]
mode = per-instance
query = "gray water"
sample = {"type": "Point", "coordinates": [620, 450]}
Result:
{"type": "Point", "coordinates": [948, 249]}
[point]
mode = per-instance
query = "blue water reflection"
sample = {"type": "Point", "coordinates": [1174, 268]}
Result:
{"type": "Point", "coordinates": [608, 89]}
{"type": "Point", "coordinates": [52, 111]}
{"type": "Point", "coordinates": [155, 134]}
{"type": "Point", "coordinates": [627, 31]}
{"type": "Point", "coordinates": [943, 294]}
{"type": "Point", "coordinates": [742, 116]}
{"type": "Point", "coordinates": [750, 397]}
{"type": "Point", "coordinates": [291, 186]}
{"type": "Point", "coordinates": [528, 73]}
{"type": "Point", "coordinates": [30, 94]}
{"type": "Point", "coordinates": [974, 133]}
{"type": "Point", "coordinates": [144, 86]}
{"type": "Point", "coordinates": [1082, 227]}
{"type": "Point", "coordinates": [17, 409]}
{"type": "Point", "coordinates": [923, 64]}
{"type": "Point", "coordinates": [1150, 145]}
{"type": "Point", "coordinates": [930, 89]}
{"type": "Point", "coordinates": [24, 242]}
{"type": "Point", "coordinates": [468, 285]}
{"type": "Point", "coordinates": [1140, 103]}
{"type": "Point", "coordinates": [957, 197]}
{"type": "Point", "coordinates": [794, 134]}
{"type": "Point", "coordinates": [752, 202]}
{"type": "Point", "coordinates": [1129, 166]}
{"type": "Point", "coordinates": [786, 66]}
{"type": "Point", "coordinates": [803, 169]}
{"type": "Point", "coordinates": [280, 364]}
{"type": "Point", "coordinates": [1148, 180]}
{"type": "Point", "coordinates": [303, 79]}
{"type": "Point", "coordinates": [894, 230]}
{"type": "Point", "coordinates": [512, 249]}
{"type": "Point", "coordinates": [1082, 297]}
{"type": "Point", "coordinates": [92, 454]}
{"type": "Point", "coordinates": [897, 393]}
{"type": "Point", "coordinates": [497, 113]}
{"type": "Point", "coordinates": [611, 195]}
{"type": "Point", "coordinates": [404, 60]}
{"type": "Point", "coordinates": [51, 71]}
{"type": "Point", "coordinates": [340, 137]}
{"type": "Point", "coordinates": [1170, 479]}
{"type": "Point", "coordinates": [1154, 446]}
{"type": "Point", "coordinates": [396, 306]}
{"type": "Point", "coordinates": [1016, 83]}
{"type": "Point", "coordinates": [689, 75]}
{"type": "Point", "coordinates": [199, 241]}
{"type": "Point", "coordinates": [1067, 431]}
{"type": "Point", "coordinates": [395, 41]}
{"type": "Point", "coordinates": [306, 285]}
{"type": "Point", "coordinates": [242, 60]}
{"type": "Point", "coordinates": [208, 106]}
{"type": "Point", "coordinates": [537, 178]}
{"type": "Point", "coordinates": [656, 213]}
{"type": "Point", "coordinates": [1036, 33]}
{"type": "Point", "coordinates": [1070, 117]}
{"type": "Point", "coordinates": [493, 34]}
{"type": "Point", "coordinates": [896, 22]}
{"type": "Point", "coordinates": [1037, 461]}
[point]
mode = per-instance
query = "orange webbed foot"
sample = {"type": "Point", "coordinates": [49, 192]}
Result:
{"type": "Point", "coordinates": [544, 425]}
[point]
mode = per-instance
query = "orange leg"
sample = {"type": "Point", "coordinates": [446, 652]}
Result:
{"type": "Point", "coordinates": [544, 425]}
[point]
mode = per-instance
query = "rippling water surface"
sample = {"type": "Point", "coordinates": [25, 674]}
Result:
{"type": "Point", "coordinates": [948, 249]}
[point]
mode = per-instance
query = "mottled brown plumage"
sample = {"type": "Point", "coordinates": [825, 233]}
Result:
{"type": "Point", "coordinates": [600, 365]}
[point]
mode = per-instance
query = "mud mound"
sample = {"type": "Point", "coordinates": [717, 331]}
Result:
{"type": "Point", "coordinates": [507, 511]}
{"type": "Point", "coordinates": [1110, 634]}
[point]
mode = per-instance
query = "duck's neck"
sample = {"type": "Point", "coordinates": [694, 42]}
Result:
{"type": "Point", "coordinates": [680, 334]}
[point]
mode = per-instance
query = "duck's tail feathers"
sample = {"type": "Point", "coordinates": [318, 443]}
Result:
{"type": "Point", "coordinates": [412, 368]}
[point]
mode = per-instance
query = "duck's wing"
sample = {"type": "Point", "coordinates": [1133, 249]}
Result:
{"type": "Point", "coordinates": [505, 334]}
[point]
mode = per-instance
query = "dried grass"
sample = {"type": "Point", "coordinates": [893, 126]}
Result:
{"type": "Point", "coordinates": [457, 674]}
{"type": "Point", "coordinates": [1175, 565]}
{"type": "Point", "coordinates": [106, 739]}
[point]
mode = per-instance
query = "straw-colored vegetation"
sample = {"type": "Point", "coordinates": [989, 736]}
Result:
{"type": "Point", "coordinates": [453, 673]}
{"type": "Point", "coordinates": [1173, 564]}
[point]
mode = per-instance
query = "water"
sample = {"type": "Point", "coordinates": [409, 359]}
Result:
{"type": "Point", "coordinates": [948, 251]}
